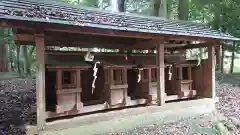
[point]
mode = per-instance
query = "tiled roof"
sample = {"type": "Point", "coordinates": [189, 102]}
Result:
{"type": "Point", "coordinates": [61, 13]}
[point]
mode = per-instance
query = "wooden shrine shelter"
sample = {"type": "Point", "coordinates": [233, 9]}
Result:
{"type": "Point", "coordinates": [69, 85]}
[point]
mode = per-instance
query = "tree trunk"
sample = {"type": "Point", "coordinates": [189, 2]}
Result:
{"type": "Point", "coordinates": [3, 51]}
{"type": "Point", "coordinates": [169, 8]}
{"type": "Point", "coordinates": [233, 58]}
{"type": "Point", "coordinates": [2, 58]}
{"type": "Point", "coordinates": [156, 7]}
{"type": "Point", "coordinates": [18, 61]}
{"type": "Point", "coordinates": [163, 9]}
{"type": "Point", "coordinates": [183, 9]}
{"type": "Point", "coordinates": [160, 8]}
{"type": "Point", "coordinates": [100, 4]}
{"type": "Point", "coordinates": [27, 60]}
{"type": "Point", "coordinates": [121, 5]}
{"type": "Point", "coordinates": [118, 5]}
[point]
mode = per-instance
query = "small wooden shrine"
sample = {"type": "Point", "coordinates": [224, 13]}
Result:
{"type": "Point", "coordinates": [71, 83]}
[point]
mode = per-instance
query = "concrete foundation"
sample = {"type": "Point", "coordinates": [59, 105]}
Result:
{"type": "Point", "coordinates": [127, 119]}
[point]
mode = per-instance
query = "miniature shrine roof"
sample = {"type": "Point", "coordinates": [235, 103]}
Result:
{"type": "Point", "coordinates": [55, 12]}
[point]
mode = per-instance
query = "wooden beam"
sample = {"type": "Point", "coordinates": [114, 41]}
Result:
{"type": "Point", "coordinates": [188, 46]}
{"type": "Point", "coordinates": [191, 46]}
{"type": "Point", "coordinates": [147, 44]}
{"type": "Point", "coordinates": [75, 41]}
{"type": "Point", "coordinates": [40, 81]}
{"type": "Point", "coordinates": [118, 33]}
{"type": "Point", "coordinates": [24, 37]}
{"type": "Point", "coordinates": [160, 74]}
{"type": "Point", "coordinates": [174, 45]}
{"type": "Point", "coordinates": [101, 42]}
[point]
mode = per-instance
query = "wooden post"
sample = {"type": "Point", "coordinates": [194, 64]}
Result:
{"type": "Point", "coordinates": [78, 74]}
{"type": "Point", "coordinates": [59, 79]}
{"type": "Point", "coordinates": [149, 86]}
{"type": "Point", "coordinates": [190, 76]}
{"type": "Point", "coordinates": [125, 92]}
{"type": "Point", "coordinates": [160, 75]}
{"type": "Point", "coordinates": [211, 93]}
{"type": "Point", "coordinates": [111, 78]}
{"type": "Point", "coordinates": [40, 81]}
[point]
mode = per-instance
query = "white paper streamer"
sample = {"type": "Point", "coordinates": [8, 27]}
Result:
{"type": "Point", "coordinates": [88, 56]}
{"type": "Point", "coordinates": [139, 76]}
{"type": "Point", "coordinates": [170, 73]}
{"type": "Point", "coordinates": [199, 61]}
{"type": "Point", "coordinates": [95, 69]}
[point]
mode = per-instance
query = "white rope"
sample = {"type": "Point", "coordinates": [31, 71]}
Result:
{"type": "Point", "coordinates": [95, 70]}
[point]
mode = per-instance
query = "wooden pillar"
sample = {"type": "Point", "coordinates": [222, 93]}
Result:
{"type": "Point", "coordinates": [160, 75]}
{"type": "Point", "coordinates": [126, 100]}
{"type": "Point", "coordinates": [59, 79]}
{"type": "Point", "coordinates": [78, 78]}
{"type": "Point", "coordinates": [149, 86]}
{"type": "Point", "coordinates": [190, 76]}
{"type": "Point", "coordinates": [211, 90]}
{"type": "Point", "coordinates": [40, 81]}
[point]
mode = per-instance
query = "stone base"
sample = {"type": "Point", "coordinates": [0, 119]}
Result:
{"type": "Point", "coordinates": [31, 130]}
{"type": "Point", "coordinates": [127, 119]}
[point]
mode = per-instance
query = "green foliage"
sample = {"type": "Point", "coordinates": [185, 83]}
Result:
{"type": "Point", "coordinates": [88, 3]}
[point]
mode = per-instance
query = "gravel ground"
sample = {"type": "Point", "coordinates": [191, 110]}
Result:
{"type": "Point", "coordinates": [229, 106]}
{"type": "Point", "coordinates": [16, 98]}
{"type": "Point", "coordinates": [18, 95]}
